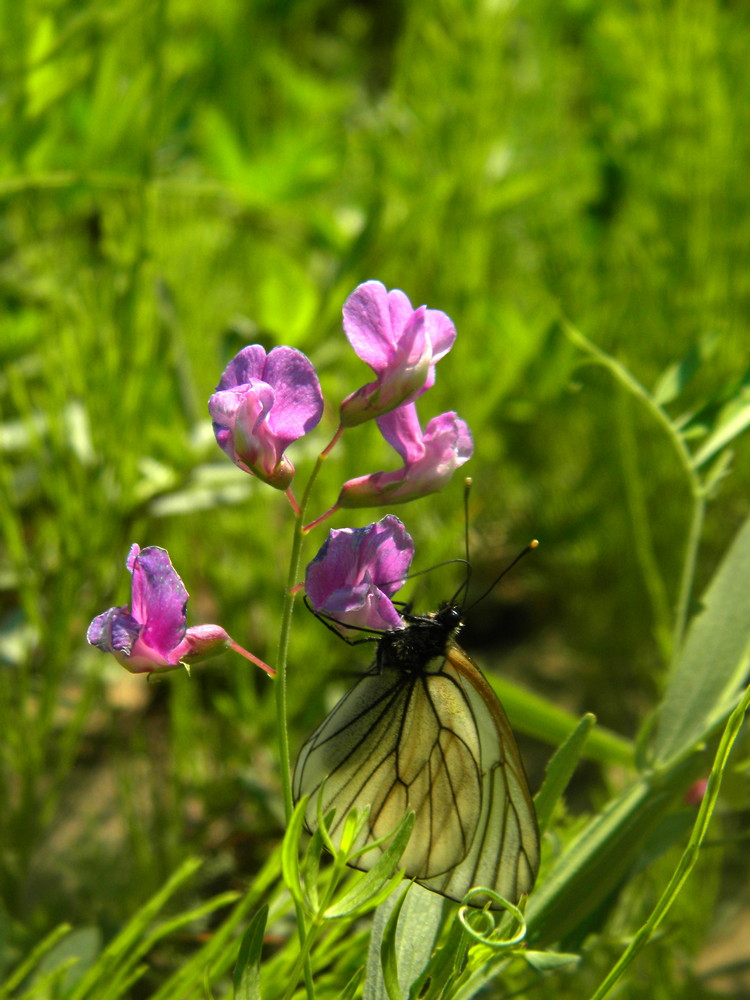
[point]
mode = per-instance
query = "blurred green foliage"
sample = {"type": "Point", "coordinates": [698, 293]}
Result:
{"type": "Point", "coordinates": [178, 179]}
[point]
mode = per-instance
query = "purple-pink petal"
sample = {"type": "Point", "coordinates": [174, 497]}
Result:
{"type": "Point", "coordinates": [262, 404]}
{"type": "Point", "coordinates": [114, 631]}
{"type": "Point", "coordinates": [364, 606]}
{"type": "Point", "coordinates": [159, 599]}
{"type": "Point", "coordinates": [357, 570]}
{"type": "Point", "coordinates": [374, 319]}
{"type": "Point", "coordinates": [298, 406]}
{"type": "Point", "coordinates": [403, 432]}
{"type": "Point", "coordinates": [246, 366]}
{"type": "Point", "coordinates": [445, 445]}
{"type": "Point", "coordinates": [401, 345]}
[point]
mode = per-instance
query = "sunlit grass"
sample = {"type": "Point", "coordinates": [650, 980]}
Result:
{"type": "Point", "coordinates": [177, 180]}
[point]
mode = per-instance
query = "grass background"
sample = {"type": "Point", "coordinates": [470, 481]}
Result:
{"type": "Point", "coordinates": [179, 179]}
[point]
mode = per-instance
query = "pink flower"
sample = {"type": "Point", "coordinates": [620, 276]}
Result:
{"type": "Point", "coordinates": [430, 459]}
{"type": "Point", "coordinates": [262, 404]}
{"type": "Point", "coordinates": [151, 634]}
{"type": "Point", "coordinates": [356, 572]}
{"type": "Point", "coordinates": [400, 344]}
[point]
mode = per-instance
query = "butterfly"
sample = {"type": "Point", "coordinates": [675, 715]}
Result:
{"type": "Point", "coordinates": [424, 731]}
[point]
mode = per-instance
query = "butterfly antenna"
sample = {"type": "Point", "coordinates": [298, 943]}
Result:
{"type": "Point", "coordinates": [529, 548]}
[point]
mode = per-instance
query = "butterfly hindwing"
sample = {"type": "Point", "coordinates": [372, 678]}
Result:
{"type": "Point", "coordinates": [433, 740]}
{"type": "Point", "coordinates": [504, 855]}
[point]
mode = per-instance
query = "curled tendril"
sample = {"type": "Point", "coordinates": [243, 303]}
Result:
{"type": "Point", "coordinates": [489, 935]}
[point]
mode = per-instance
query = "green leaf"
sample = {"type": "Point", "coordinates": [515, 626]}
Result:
{"type": "Point", "coordinates": [388, 955]}
{"type": "Point", "coordinates": [734, 420]}
{"type": "Point", "coordinates": [351, 987]}
{"type": "Point", "coordinates": [560, 769]}
{"type": "Point", "coordinates": [535, 716]}
{"type": "Point", "coordinates": [46, 946]}
{"type": "Point", "coordinates": [546, 961]}
{"type": "Point", "coordinates": [83, 945]}
{"type": "Point", "coordinates": [378, 883]}
{"type": "Point", "coordinates": [417, 931]}
{"type": "Point", "coordinates": [709, 670]}
{"type": "Point", "coordinates": [290, 852]}
{"type": "Point", "coordinates": [445, 962]}
{"type": "Point", "coordinates": [310, 869]}
{"type": "Point", "coordinates": [677, 376]}
{"type": "Point", "coordinates": [117, 956]}
{"type": "Point", "coordinates": [590, 871]}
{"type": "Point", "coordinates": [246, 977]}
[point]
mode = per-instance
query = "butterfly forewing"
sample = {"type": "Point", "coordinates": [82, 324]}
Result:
{"type": "Point", "coordinates": [391, 745]}
{"type": "Point", "coordinates": [424, 732]}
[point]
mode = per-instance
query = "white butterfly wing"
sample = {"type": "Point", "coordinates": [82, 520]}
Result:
{"type": "Point", "coordinates": [397, 743]}
{"type": "Point", "coordinates": [504, 854]}
{"type": "Point", "coordinates": [437, 743]}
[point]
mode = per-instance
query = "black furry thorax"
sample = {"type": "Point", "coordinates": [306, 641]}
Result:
{"type": "Point", "coordinates": [423, 638]}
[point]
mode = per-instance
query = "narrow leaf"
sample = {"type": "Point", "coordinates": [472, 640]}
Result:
{"type": "Point", "coordinates": [445, 962]}
{"type": "Point", "coordinates": [689, 855]}
{"type": "Point", "coordinates": [677, 376]}
{"type": "Point", "coordinates": [546, 961]}
{"type": "Point", "coordinates": [119, 949]}
{"type": "Point", "coordinates": [560, 769]}
{"type": "Point", "coordinates": [388, 958]}
{"type": "Point", "coordinates": [351, 987]}
{"type": "Point", "coordinates": [418, 928]}
{"type": "Point", "coordinates": [383, 873]}
{"type": "Point", "coordinates": [246, 977]}
{"type": "Point", "coordinates": [590, 871]}
{"type": "Point", "coordinates": [712, 664]}
{"type": "Point", "coordinates": [729, 428]}
{"type": "Point", "coordinates": [310, 869]}
{"type": "Point", "coordinates": [290, 852]}
{"type": "Point", "coordinates": [24, 969]}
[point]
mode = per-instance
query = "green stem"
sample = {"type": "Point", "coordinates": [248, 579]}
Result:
{"type": "Point", "coordinates": [642, 537]}
{"type": "Point", "coordinates": [281, 664]}
{"type": "Point", "coordinates": [281, 705]}
{"type": "Point", "coordinates": [623, 376]}
{"type": "Point", "coordinates": [286, 624]}
{"type": "Point", "coordinates": [695, 485]}
{"type": "Point", "coordinates": [690, 854]}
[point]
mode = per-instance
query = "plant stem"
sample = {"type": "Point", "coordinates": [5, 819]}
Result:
{"type": "Point", "coordinates": [695, 485]}
{"type": "Point", "coordinates": [281, 704]}
{"type": "Point", "coordinates": [643, 541]}
{"type": "Point", "coordinates": [690, 854]}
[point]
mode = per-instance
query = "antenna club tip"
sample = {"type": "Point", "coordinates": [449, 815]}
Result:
{"type": "Point", "coordinates": [534, 543]}
{"type": "Point", "coordinates": [468, 481]}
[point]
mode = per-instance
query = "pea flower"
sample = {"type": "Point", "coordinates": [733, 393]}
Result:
{"type": "Point", "coordinates": [400, 344]}
{"type": "Point", "coordinates": [430, 459]}
{"type": "Point", "coordinates": [356, 572]}
{"type": "Point", "coordinates": [151, 635]}
{"type": "Point", "coordinates": [262, 404]}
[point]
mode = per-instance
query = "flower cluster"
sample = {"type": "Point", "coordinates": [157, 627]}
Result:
{"type": "Point", "coordinates": [263, 403]}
